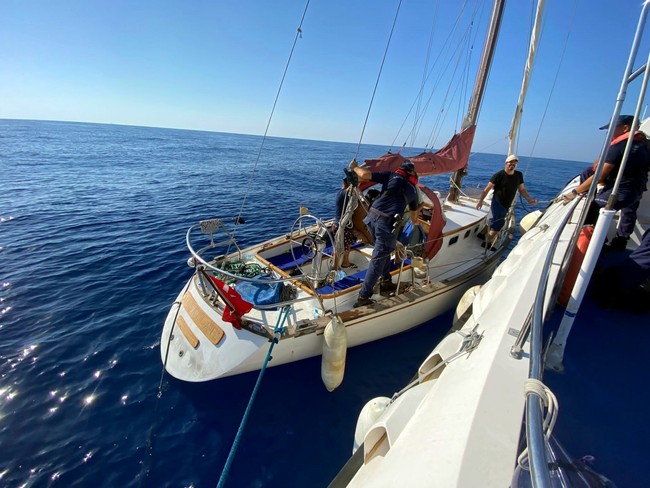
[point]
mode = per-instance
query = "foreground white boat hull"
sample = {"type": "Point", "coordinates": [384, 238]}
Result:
{"type": "Point", "coordinates": [460, 425]}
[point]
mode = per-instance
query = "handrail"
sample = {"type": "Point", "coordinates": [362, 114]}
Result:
{"type": "Point", "coordinates": [207, 265]}
{"type": "Point", "coordinates": [525, 331]}
{"type": "Point", "coordinates": [535, 437]}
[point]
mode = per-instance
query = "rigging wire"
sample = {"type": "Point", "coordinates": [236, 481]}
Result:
{"type": "Point", "coordinates": [424, 74]}
{"type": "Point", "coordinates": [442, 114]}
{"type": "Point", "coordinates": [268, 124]}
{"type": "Point", "coordinates": [548, 100]}
{"type": "Point", "coordinates": [435, 63]}
{"type": "Point", "coordinates": [557, 73]}
{"type": "Point", "coordinates": [374, 91]}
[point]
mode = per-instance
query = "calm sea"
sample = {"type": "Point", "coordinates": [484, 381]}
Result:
{"type": "Point", "coordinates": [92, 254]}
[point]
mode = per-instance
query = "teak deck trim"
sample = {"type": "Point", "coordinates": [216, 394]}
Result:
{"type": "Point", "coordinates": [187, 332]}
{"type": "Point", "coordinates": [212, 331]}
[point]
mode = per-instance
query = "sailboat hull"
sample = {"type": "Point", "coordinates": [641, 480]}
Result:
{"type": "Point", "coordinates": [197, 344]}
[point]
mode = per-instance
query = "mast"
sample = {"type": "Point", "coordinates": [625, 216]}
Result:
{"type": "Point", "coordinates": [479, 86]}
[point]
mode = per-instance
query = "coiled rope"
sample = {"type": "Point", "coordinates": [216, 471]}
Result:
{"type": "Point", "coordinates": [536, 387]}
{"type": "Point", "coordinates": [277, 333]}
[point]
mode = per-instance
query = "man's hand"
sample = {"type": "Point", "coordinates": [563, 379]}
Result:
{"type": "Point", "coordinates": [479, 204]}
{"type": "Point", "coordinates": [567, 197]}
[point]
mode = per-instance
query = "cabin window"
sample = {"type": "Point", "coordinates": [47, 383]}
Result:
{"type": "Point", "coordinates": [467, 233]}
{"type": "Point", "coordinates": [453, 241]}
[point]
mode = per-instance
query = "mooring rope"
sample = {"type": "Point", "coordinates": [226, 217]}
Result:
{"type": "Point", "coordinates": [277, 332]}
{"type": "Point", "coordinates": [149, 446]}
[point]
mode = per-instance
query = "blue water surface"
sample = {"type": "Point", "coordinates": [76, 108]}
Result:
{"type": "Point", "coordinates": [92, 254]}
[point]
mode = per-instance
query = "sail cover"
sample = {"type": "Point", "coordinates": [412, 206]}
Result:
{"type": "Point", "coordinates": [452, 157]}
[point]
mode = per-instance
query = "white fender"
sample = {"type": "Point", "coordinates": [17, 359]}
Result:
{"type": "Point", "coordinates": [335, 344]}
{"type": "Point", "coordinates": [370, 412]}
{"type": "Point", "coordinates": [529, 221]}
{"type": "Point", "coordinates": [464, 308]}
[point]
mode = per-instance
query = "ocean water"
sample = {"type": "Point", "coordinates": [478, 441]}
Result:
{"type": "Point", "coordinates": [92, 254]}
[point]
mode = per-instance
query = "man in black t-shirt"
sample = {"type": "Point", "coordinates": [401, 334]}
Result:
{"type": "Point", "coordinates": [505, 183]}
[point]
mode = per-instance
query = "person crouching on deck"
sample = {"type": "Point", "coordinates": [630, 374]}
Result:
{"type": "Point", "coordinates": [398, 191]}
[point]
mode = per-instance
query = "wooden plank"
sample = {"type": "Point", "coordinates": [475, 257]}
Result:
{"type": "Point", "coordinates": [212, 331]}
{"type": "Point", "coordinates": [187, 332]}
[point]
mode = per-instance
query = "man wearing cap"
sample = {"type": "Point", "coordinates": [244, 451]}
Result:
{"type": "Point", "coordinates": [505, 183]}
{"type": "Point", "coordinates": [398, 191]}
{"type": "Point", "coordinates": [633, 181]}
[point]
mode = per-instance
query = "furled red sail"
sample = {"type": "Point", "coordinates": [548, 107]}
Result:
{"type": "Point", "coordinates": [450, 158]}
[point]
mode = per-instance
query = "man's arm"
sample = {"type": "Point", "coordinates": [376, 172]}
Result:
{"type": "Point", "coordinates": [364, 173]}
{"type": "Point", "coordinates": [584, 186]}
{"type": "Point", "coordinates": [414, 216]}
{"type": "Point", "coordinates": [487, 189]}
{"type": "Point", "coordinates": [524, 193]}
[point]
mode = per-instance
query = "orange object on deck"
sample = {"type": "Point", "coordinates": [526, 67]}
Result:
{"type": "Point", "coordinates": [576, 261]}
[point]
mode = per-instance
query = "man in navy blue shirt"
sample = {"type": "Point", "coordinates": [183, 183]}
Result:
{"type": "Point", "coordinates": [633, 181]}
{"type": "Point", "coordinates": [398, 192]}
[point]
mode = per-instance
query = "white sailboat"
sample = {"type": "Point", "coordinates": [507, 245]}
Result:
{"type": "Point", "coordinates": [477, 412]}
{"type": "Point", "coordinates": [293, 296]}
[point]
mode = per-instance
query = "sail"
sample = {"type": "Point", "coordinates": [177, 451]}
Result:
{"type": "Point", "coordinates": [452, 157]}
{"type": "Point", "coordinates": [530, 61]}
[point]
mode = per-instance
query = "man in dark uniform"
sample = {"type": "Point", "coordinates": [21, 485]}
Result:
{"type": "Point", "coordinates": [633, 181]}
{"type": "Point", "coordinates": [505, 183]}
{"type": "Point", "coordinates": [398, 192]}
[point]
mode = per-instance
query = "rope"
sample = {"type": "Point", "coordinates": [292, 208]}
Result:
{"type": "Point", "coordinates": [543, 392]}
{"type": "Point", "coordinates": [460, 190]}
{"type": "Point", "coordinates": [268, 124]}
{"type": "Point", "coordinates": [149, 445]}
{"type": "Point", "coordinates": [470, 342]}
{"type": "Point", "coordinates": [374, 91]}
{"type": "Point", "coordinates": [277, 332]}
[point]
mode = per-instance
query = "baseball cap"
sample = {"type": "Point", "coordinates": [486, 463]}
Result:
{"type": "Point", "coordinates": [622, 120]}
{"type": "Point", "coordinates": [408, 166]}
{"type": "Point", "coordinates": [512, 157]}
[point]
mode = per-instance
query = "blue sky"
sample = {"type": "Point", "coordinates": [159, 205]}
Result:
{"type": "Point", "coordinates": [216, 65]}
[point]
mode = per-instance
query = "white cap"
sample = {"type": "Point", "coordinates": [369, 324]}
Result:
{"type": "Point", "coordinates": [512, 157]}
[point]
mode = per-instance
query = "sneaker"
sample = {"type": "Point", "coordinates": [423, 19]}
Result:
{"type": "Point", "coordinates": [387, 286]}
{"type": "Point", "coordinates": [363, 301]}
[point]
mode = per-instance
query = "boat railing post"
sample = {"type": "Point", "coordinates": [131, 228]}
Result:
{"type": "Point", "coordinates": [556, 350]}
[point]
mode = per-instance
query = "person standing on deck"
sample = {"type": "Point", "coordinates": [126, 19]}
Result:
{"type": "Point", "coordinates": [505, 183]}
{"type": "Point", "coordinates": [398, 192]}
{"type": "Point", "coordinates": [633, 182]}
